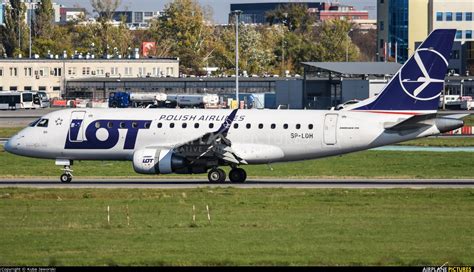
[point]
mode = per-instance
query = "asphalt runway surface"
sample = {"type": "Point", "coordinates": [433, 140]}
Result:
{"type": "Point", "coordinates": [252, 183]}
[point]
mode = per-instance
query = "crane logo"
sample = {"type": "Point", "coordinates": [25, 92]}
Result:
{"type": "Point", "coordinates": [422, 77]}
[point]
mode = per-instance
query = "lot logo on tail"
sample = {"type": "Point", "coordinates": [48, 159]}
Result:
{"type": "Point", "coordinates": [422, 82]}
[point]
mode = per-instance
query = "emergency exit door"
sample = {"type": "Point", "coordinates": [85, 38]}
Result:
{"type": "Point", "coordinates": [330, 129]}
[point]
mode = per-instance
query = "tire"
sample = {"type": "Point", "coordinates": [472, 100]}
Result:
{"type": "Point", "coordinates": [222, 174]}
{"type": "Point", "coordinates": [237, 175]}
{"type": "Point", "coordinates": [216, 176]}
{"type": "Point", "coordinates": [66, 178]}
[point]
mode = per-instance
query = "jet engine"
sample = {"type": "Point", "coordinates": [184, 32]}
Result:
{"type": "Point", "coordinates": [163, 161]}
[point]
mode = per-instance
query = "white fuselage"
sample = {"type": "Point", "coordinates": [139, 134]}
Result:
{"type": "Point", "coordinates": [273, 135]}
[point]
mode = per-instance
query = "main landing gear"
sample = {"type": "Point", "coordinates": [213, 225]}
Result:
{"type": "Point", "coordinates": [67, 176]}
{"type": "Point", "coordinates": [236, 175]}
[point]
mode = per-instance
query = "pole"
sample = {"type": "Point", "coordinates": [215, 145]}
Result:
{"type": "Point", "coordinates": [19, 30]}
{"type": "Point", "coordinates": [237, 58]}
{"type": "Point", "coordinates": [347, 52]}
{"type": "Point", "coordinates": [396, 52]}
{"type": "Point", "coordinates": [30, 24]}
{"type": "Point", "coordinates": [347, 45]}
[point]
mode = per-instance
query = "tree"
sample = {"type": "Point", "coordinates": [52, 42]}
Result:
{"type": "Point", "coordinates": [366, 41]}
{"type": "Point", "coordinates": [105, 9]}
{"type": "Point", "coordinates": [183, 26]}
{"type": "Point", "coordinates": [14, 32]}
{"type": "Point", "coordinates": [294, 16]}
{"type": "Point", "coordinates": [43, 22]}
{"type": "Point", "coordinates": [333, 41]}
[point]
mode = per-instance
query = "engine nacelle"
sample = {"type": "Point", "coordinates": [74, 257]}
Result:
{"type": "Point", "coordinates": [157, 161]}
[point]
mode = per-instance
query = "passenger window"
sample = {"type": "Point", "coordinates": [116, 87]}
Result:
{"type": "Point", "coordinates": [236, 125]}
{"type": "Point", "coordinates": [42, 123]}
{"type": "Point", "coordinates": [171, 125]}
{"type": "Point", "coordinates": [273, 126]}
{"type": "Point", "coordinates": [211, 125]}
{"type": "Point", "coordinates": [298, 126]}
{"type": "Point", "coordinates": [147, 125]}
{"type": "Point", "coordinates": [184, 125]}
{"type": "Point", "coordinates": [310, 126]}
{"type": "Point", "coordinates": [160, 125]}
{"type": "Point", "coordinates": [134, 125]}
{"type": "Point", "coordinates": [196, 125]}
{"type": "Point", "coordinates": [110, 124]}
{"type": "Point", "coordinates": [260, 126]}
{"type": "Point", "coordinates": [34, 123]}
{"type": "Point", "coordinates": [285, 126]}
{"type": "Point", "coordinates": [248, 126]}
{"type": "Point", "coordinates": [97, 124]}
{"type": "Point", "coordinates": [122, 125]}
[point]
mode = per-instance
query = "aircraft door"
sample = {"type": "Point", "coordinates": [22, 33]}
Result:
{"type": "Point", "coordinates": [330, 129]}
{"type": "Point", "coordinates": [76, 127]}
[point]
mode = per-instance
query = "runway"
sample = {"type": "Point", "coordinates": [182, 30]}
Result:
{"type": "Point", "coordinates": [252, 183]}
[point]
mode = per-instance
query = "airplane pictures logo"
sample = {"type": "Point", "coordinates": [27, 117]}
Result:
{"type": "Point", "coordinates": [422, 82]}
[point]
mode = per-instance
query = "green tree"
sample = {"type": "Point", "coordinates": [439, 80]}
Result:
{"type": "Point", "coordinates": [294, 16]}
{"type": "Point", "coordinates": [184, 29]}
{"type": "Point", "coordinates": [105, 9]}
{"type": "Point", "coordinates": [14, 33]}
{"type": "Point", "coordinates": [43, 23]}
{"type": "Point", "coordinates": [334, 42]}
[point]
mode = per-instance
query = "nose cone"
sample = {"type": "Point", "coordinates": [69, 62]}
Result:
{"type": "Point", "coordinates": [8, 146]}
{"type": "Point", "coordinates": [11, 145]}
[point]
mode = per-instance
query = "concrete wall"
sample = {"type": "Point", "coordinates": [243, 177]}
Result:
{"type": "Point", "coordinates": [289, 93]}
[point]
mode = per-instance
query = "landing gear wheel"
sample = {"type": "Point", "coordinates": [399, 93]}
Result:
{"type": "Point", "coordinates": [66, 178]}
{"type": "Point", "coordinates": [216, 176]}
{"type": "Point", "coordinates": [237, 175]}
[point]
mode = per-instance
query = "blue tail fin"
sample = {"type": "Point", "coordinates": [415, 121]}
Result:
{"type": "Point", "coordinates": [418, 84]}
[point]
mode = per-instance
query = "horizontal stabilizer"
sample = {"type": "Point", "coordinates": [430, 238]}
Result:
{"type": "Point", "coordinates": [456, 116]}
{"type": "Point", "coordinates": [414, 122]}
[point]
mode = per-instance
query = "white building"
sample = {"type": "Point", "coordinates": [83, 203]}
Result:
{"type": "Point", "coordinates": [51, 75]}
{"type": "Point", "coordinates": [457, 14]}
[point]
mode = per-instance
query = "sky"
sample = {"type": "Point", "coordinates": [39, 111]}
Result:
{"type": "Point", "coordinates": [221, 8]}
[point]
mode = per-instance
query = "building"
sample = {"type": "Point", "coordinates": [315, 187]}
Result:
{"type": "Point", "coordinates": [255, 13]}
{"type": "Point", "coordinates": [51, 75]}
{"type": "Point", "coordinates": [136, 19]}
{"type": "Point", "coordinates": [327, 84]}
{"type": "Point", "coordinates": [330, 11]}
{"type": "Point", "coordinates": [98, 88]}
{"type": "Point", "coordinates": [403, 24]}
{"type": "Point", "coordinates": [71, 14]}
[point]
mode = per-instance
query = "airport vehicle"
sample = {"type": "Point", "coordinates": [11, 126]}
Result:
{"type": "Point", "coordinates": [23, 100]}
{"type": "Point", "coordinates": [189, 141]}
{"type": "Point", "coordinates": [347, 103]}
{"type": "Point", "coordinates": [126, 99]}
{"type": "Point", "coordinates": [10, 100]}
{"type": "Point", "coordinates": [43, 100]}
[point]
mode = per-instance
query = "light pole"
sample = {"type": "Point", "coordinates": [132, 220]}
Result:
{"type": "Point", "coordinates": [347, 45]}
{"type": "Point", "coordinates": [283, 45]}
{"type": "Point", "coordinates": [31, 26]}
{"type": "Point", "coordinates": [236, 14]}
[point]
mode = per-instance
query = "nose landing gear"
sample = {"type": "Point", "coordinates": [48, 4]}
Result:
{"type": "Point", "coordinates": [67, 176]}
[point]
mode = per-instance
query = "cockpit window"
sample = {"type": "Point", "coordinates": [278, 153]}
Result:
{"type": "Point", "coordinates": [34, 122]}
{"type": "Point", "coordinates": [43, 123]}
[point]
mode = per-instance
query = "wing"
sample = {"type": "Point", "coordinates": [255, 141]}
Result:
{"type": "Point", "coordinates": [211, 145]}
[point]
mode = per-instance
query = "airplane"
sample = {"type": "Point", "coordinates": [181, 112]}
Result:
{"type": "Point", "coordinates": [195, 141]}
